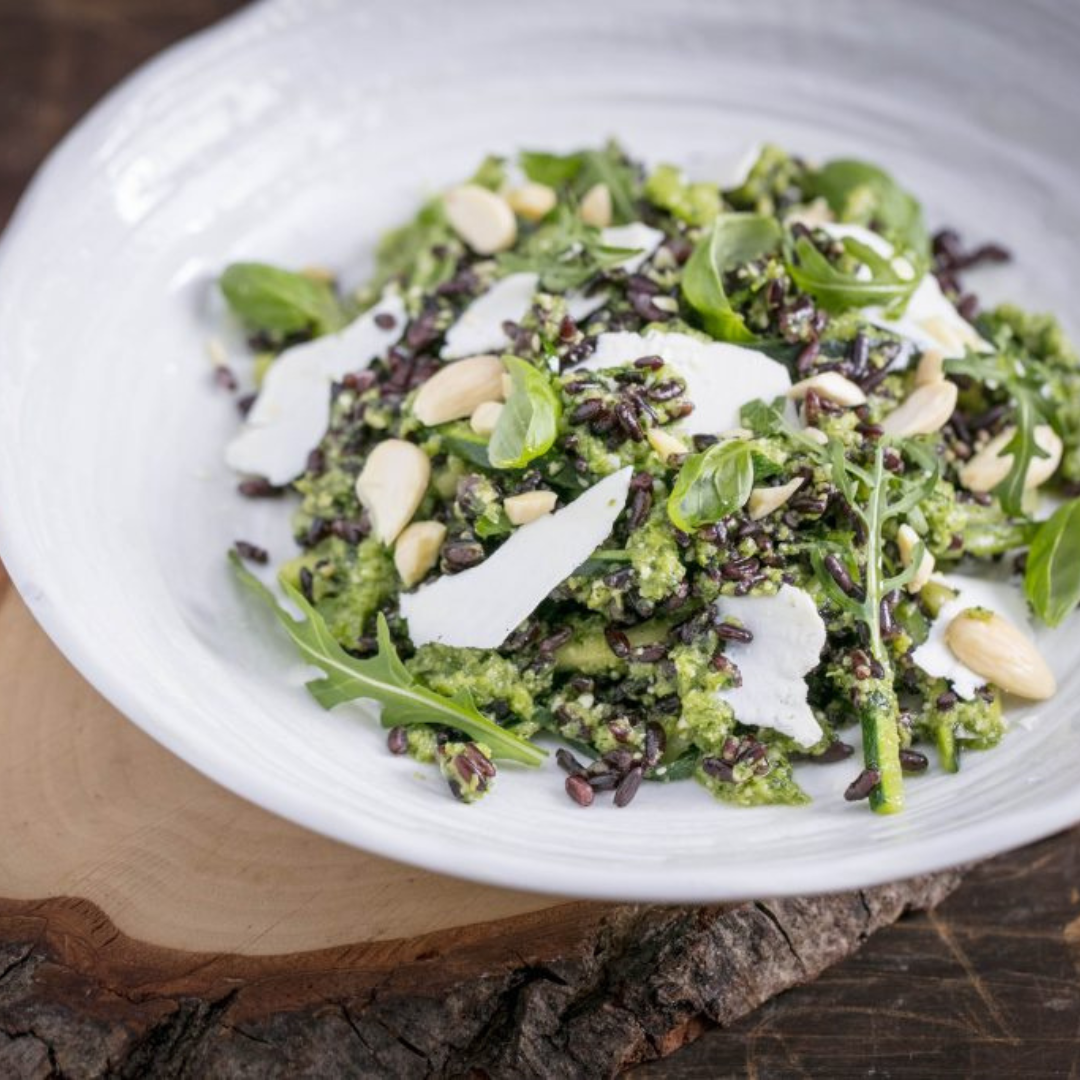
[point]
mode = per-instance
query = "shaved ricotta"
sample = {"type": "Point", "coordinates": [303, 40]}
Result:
{"type": "Point", "coordinates": [789, 635]}
{"type": "Point", "coordinates": [720, 377]}
{"type": "Point", "coordinates": [479, 329]}
{"type": "Point", "coordinates": [936, 658]}
{"type": "Point", "coordinates": [728, 169]}
{"type": "Point", "coordinates": [292, 412]}
{"type": "Point", "coordinates": [478, 608]}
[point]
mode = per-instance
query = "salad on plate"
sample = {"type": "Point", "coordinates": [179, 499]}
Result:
{"type": "Point", "coordinates": [675, 478]}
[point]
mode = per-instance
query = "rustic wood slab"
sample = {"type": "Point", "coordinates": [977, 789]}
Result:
{"type": "Point", "coordinates": [153, 923]}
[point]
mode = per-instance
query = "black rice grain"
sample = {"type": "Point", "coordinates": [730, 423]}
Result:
{"type": "Point", "coordinates": [628, 787]}
{"type": "Point", "coordinates": [862, 785]}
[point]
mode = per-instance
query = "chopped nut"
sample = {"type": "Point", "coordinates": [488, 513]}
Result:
{"type": "Point", "coordinates": [391, 486]}
{"type": "Point", "coordinates": [417, 550]}
{"type": "Point", "coordinates": [485, 416]}
{"type": "Point", "coordinates": [521, 509]}
{"type": "Point", "coordinates": [924, 411]}
{"type": "Point", "coordinates": [931, 368]}
{"type": "Point", "coordinates": [481, 218]}
{"type": "Point", "coordinates": [454, 391]}
{"type": "Point", "coordinates": [907, 540]}
{"type": "Point", "coordinates": [992, 647]}
{"type": "Point", "coordinates": [665, 444]}
{"type": "Point", "coordinates": [990, 465]}
{"type": "Point", "coordinates": [831, 385]}
{"type": "Point", "coordinates": [532, 201]}
{"type": "Point", "coordinates": [596, 206]}
{"type": "Point", "coordinates": [764, 500]}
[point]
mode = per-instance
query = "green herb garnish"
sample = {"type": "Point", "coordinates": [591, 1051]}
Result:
{"type": "Point", "coordinates": [529, 420]}
{"type": "Point", "coordinates": [1052, 577]}
{"type": "Point", "coordinates": [383, 678]}
{"type": "Point", "coordinates": [269, 298]}
{"type": "Point", "coordinates": [711, 485]}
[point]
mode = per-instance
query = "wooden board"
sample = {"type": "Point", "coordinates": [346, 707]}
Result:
{"type": "Point", "coordinates": [150, 917]}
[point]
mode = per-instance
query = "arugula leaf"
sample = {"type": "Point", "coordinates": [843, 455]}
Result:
{"type": "Point", "coordinates": [1023, 447]}
{"type": "Point", "coordinates": [711, 485]}
{"type": "Point", "coordinates": [383, 678]}
{"type": "Point", "coordinates": [565, 252]}
{"type": "Point", "coordinates": [268, 298]}
{"type": "Point", "coordinates": [579, 171]}
{"type": "Point", "coordinates": [836, 289]}
{"type": "Point", "coordinates": [694, 203]}
{"type": "Point", "coordinates": [422, 254]}
{"type": "Point", "coordinates": [862, 193]}
{"type": "Point", "coordinates": [1052, 577]}
{"type": "Point", "coordinates": [734, 239]}
{"type": "Point", "coordinates": [528, 423]}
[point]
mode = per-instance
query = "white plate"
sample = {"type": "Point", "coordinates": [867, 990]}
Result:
{"type": "Point", "coordinates": [298, 131]}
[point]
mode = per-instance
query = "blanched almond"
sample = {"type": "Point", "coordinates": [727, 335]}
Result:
{"type": "Point", "coordinates": [596, 206]}
{"type": "Point", "coordinates": [392, 485]}
{"type": "Point", "coordinates": [832, 386]}
{"type": "Point", "coordinates": [931, 368]}
{"type": "Point", "coordinates": [521, 509]}
{"type": "Point", "coordinates": [954, 336]}
{"type": "Point", "coordinates": [485, 416]}
{"type": "Point", "coordinates": [990, 465]}
{"type": "Point", "coordinates": [532, 201]}
{"type": "Point", "coordinates": [995, 649]}
{"type": "Point", "coordinates": [907, 540]}
{"type": "Point", "coordinates": [665, 444]}
{"type": "Point", "coordinates": [925, 410]}
{"type": "Point", "coordinates": [764, 500]}
{"type": "Point", "coordinates": [481, 218]}
{"type": "Point", "coordinates": [454, 391]}
{"type": "Point", "coordinates": [417, 550]}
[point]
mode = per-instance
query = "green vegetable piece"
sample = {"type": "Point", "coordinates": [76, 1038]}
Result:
{"type": "Point", "coordinates": [711, 485]}
{"type": "Point", "coordinates": [528, 422]}
{"type": "Point", "coordinates": [864, 194]}
{"type": "Point", "coordinates": [1052, 577]}
{"type": "Point", "coordinates": [696, 204]}
{"type": "Point", "coordinates": [734, 239]}
{"type": "Point", "coordinates": [383, 679]}
{"type": "Point", "coordinates": [1023, 447]}
{"type": "Point", "coordinates": [269, 298]}
{"type": "Point", "coordinates": [837, 289]}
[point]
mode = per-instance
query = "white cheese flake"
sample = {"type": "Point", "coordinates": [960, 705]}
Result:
{"type": "Point", "coordinates": [936, 658]}
{"type": "Point", "coordinates": [789, 635]}
{"type": "Point", "coordinates": [478, 608]}
{"type": "Point", "coordinates": [727, 169]}
{"type": "Point", "coordinates": [292, 412]}
{"type": "Point", "coordinates": [720, 377]}
{"type": "Point", "coordinates": [479, 328]}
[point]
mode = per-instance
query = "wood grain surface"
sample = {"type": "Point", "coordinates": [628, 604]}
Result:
{"type": "Point", "coordinates": [987, 985]}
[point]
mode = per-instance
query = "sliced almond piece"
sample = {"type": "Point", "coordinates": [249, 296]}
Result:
{"type": "Point", "coordinates": [392, 485]}
{"type": "Point", "coordinates": [950, 333]}
{"type": "Point", "coordinates": [665, 444]}
{"type": "Point", "coordinates": [532, 201]}
{"type": "Point", "coordinates": [907, 540]}
{"type": "Point", "coordinates": [453, 392]}
{"type": "Point", "coordinates": [596, 206]}
{"type": "Point", "coordinates": [764, 500]}
{"type": "Point", "coordinates": [990, 465]}
{"type": "Point", "coordinates": [931, 368]}
{"type": "Point", "coordinates": [481, 218]}
{"type": "Point", "coordinates": [995, 649]}
{"type": "Point", "coordinates": [831, 385]}
{"type": "Point", "coordinates": [817, 435]}
{"type": "Point", "coordinates": [417, 550]}
{"type": "Point", "coordinates": [485, 416]}
{"type": "Point", "coordinates": [521, 509]}
{"type": "Point", "coordinates": [925, 410]}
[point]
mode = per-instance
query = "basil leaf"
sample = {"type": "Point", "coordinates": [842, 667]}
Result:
{"type": "Point", "coordinates": [555, 170]}
{"type": "Point", "coordinates": [711, 485]}
{"type": "Point", "coordinates": [269, 298]}
{"type": "Point", "coordinates": [383, 678]}
{"type": "Point", "coordinates": [837, 290]}
{"type": "Point", "coordinates": [528, 423]}
{"type": "Point", "coordinates": [1023, 447]}
{"type": "Point", "coordinates": [734, 239]}
{"type": "Point", "coordinates": [1052, 577]}
{"type": "Point", "coordinates": [864, 194]}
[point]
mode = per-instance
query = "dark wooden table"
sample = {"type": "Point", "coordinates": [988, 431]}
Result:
{"type": "Point", "coordinates": [987, 985]}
